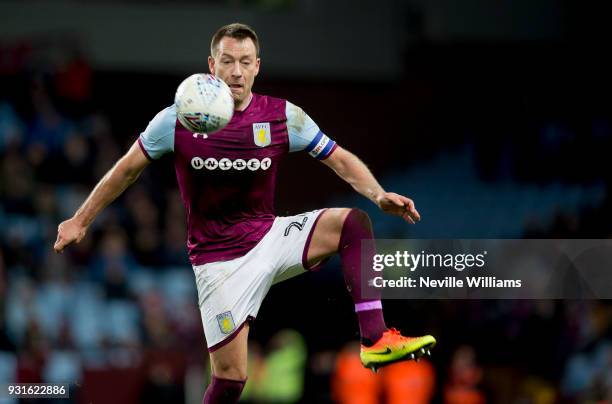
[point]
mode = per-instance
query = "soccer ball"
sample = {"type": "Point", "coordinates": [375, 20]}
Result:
{"type": "Point", "coordinates": [204, 103]}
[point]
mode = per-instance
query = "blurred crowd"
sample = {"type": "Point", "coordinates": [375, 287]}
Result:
{"type": "Point", "coordinates": [120, 308]}
{"type": "Point", "coordinates": [121, 298]}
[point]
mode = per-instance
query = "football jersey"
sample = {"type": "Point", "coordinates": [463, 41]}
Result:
{"type": "Point", "coordinates": [227, 178]}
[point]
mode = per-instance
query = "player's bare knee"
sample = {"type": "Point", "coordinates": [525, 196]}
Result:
{"type": "Point", "coordinates": [343, 213]}
{"type": "Point", "coordinates": [339, 216]}
{"type": "Point", "coordinates": [230, 371]}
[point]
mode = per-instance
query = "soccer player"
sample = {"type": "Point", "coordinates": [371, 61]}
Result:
{"type": "Point", "coordinates": [237, 246]}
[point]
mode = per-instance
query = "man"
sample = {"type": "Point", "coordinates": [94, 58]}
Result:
{"type": "Point", "coordinates": [237, 246]}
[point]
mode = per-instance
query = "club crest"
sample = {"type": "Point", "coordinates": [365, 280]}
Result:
{"type": "Point", "coordinates": [226, 322]}
{"type": "Point", "coordinates": [261, 134]}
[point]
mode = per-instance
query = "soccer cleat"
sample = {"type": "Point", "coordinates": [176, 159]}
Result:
{"type": "Point", "coordinates": [394, 347]}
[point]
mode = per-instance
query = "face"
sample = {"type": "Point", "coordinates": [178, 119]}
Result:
{"type": "Point", "coordinates": [236, 62]}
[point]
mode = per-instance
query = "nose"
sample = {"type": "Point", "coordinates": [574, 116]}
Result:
{"type": "Point", "coordinates": [237, 70]}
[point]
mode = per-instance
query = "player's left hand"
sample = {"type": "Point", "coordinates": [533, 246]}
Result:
{"type": "Point", "coordinates": [398, 205]}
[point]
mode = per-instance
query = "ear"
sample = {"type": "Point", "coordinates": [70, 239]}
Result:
{"type": "Point", "coordinates": [211, 65]}
{"type": "Point", "coordinates": [257, 63]}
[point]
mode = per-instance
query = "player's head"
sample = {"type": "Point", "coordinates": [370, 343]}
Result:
{"type": "Point", "coordinates": [234, 57]}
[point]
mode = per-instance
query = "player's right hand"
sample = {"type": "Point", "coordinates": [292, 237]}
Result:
{"type": "Point", "coordinates": [68, 231]}
{"type": "Point", "coordinates": [399, 205]}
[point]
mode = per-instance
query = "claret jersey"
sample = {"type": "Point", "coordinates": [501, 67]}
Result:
{"type": "Point", "coordinates": [227, 179]}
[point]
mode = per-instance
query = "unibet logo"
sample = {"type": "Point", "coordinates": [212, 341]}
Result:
{"type": "Point", "coordinates": [210, 163]}
{"type": "Point", "coordinates": [226, 164]}
{"type": "Point", "coordinates": [197, 163]}
{"type": "Point", "coordinates": [239, 164]}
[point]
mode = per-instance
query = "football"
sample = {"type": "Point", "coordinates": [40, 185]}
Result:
{"type": "Point", "coordinates": [204, 103]}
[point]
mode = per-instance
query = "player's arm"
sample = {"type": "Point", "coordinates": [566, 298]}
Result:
{"type": "Point", "coordinates": [114, 182]}
{"type": "Point", "coordinates": [352, 170]}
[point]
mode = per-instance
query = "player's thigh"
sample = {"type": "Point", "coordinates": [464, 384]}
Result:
{"type": "Point", "coordinates": [326, 235]}
{"type": "Point", "coordinates": [230, 361]}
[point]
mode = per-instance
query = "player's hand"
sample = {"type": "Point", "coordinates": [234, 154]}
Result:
{"type": "Point", "coordinates": [68, 231]}
{"type": "Point", "coordinates": [398, 205]}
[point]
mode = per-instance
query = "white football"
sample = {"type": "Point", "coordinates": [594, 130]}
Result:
{"type": "Point", "coordinates": [204, 103]}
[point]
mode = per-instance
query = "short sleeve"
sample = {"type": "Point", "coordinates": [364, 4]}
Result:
{"type": "Point", "coordinates": [304, 134]}
{"type": "Point", "coordinates": [158, 138]}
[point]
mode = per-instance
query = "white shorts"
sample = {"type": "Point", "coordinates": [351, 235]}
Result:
{"type": "Point", "coordinates": [231, 292]}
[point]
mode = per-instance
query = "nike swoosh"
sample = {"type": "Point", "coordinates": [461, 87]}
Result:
{"type": "Point", "coordinates": [387, 352]}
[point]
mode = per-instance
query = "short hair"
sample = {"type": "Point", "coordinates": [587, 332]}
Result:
{"type": "Point", "coordinates": [235, 30]}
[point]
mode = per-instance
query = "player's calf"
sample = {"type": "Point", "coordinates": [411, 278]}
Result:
{"type": "Point", "coordinates": [341, 230]}
{"type": "Point", "coordinates": [356, 228]}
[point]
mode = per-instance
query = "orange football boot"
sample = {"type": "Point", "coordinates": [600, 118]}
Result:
{"type": "Point", "coordinates": [394, 347]}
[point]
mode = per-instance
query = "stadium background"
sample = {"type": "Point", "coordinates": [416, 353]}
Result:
{"type": "Point", "coordinates": [494, 116]}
